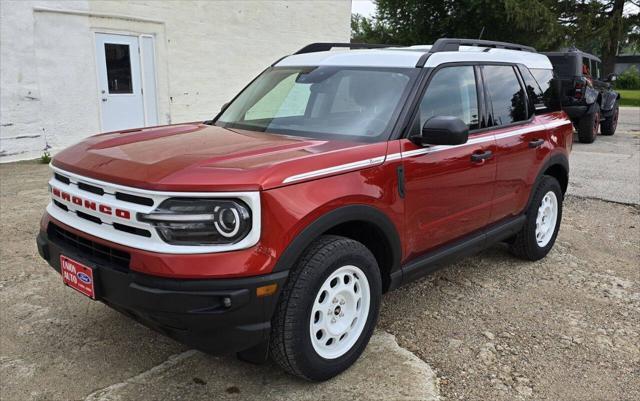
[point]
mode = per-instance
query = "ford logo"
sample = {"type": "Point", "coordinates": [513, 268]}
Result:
{"type": "Point", "coordinates": [84, 278]}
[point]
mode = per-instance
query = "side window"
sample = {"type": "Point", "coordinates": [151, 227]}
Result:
{"type": "Point", "coordinates": [595, 69]}
{"type": "Point", "coordinates": [505, 94]}
{"type": "Point", "coordinates": [534, 92]}
{"type": "Point", "coordinates": [586, 67]}
{"type": "Point", "coordinates": [548, 84]}
{"type": "Point", "coordinates": [451, 92]}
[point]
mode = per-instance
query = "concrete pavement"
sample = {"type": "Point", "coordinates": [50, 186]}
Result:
{"type": "Point", "coordinates": [609, 168]}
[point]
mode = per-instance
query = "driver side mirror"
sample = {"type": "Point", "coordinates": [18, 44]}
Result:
{"type": "Point", "coordinates": [442, 130]}
{"type": "Point", "coordinates": [612, 77]}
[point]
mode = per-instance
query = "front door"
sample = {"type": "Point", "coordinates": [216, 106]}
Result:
{"type": "Point", "coordinates": [120, 82]}
{"type": "Point", "coordinates": [449, 189]}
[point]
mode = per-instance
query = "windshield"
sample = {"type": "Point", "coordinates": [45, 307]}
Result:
{"type": "Point", "coordinates": [348, 103]}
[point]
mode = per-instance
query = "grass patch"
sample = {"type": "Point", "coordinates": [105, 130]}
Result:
{"type": "Point", "coordinates": [629, 97]}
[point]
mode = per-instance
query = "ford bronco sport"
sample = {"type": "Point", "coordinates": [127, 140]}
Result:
{"type": "Point", "coordinates": [586, 96]}
{"type": "Point", "coordinates": [333, 177]}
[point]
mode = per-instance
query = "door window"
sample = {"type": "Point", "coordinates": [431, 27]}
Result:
{"type": "Point", "coordinates": [451, 92]}
{"type": "Point", "coordinates": [504, 94]}
{"type": "Point", "coordinates": [118, 68]}
{"type": "Point", "coordinates": [586, 67]}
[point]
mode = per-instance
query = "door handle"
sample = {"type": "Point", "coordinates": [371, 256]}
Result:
{"type": "Point", "coordinates": [480, 157]}
{"type": "Point", "coordinates": [104, 99]}
{"type": "Point", "coordinates": [536, 143]}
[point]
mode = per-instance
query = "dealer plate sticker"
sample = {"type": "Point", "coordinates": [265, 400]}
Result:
{"type": "Point", "coordinates": [77, 276]}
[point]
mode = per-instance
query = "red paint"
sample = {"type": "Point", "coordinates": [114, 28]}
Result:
{"type": "Point", "coordinates": [447, 194]}
{"type": "Point", "coordinates": [90, 205]}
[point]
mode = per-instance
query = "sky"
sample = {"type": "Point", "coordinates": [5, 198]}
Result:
{"type": "Point", "coordinates": [363, 7]}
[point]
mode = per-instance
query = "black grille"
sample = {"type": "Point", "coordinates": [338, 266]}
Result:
{"type": "Point", "coordinates": [90, 188]}
{"type": "Point", "coordinates": [88, 248]}
{"type": "Point", "coordinates": [140, 200]}
{"type": "Point", "coordinates": [132, 230]}
{"type": "Point", "coordinates": [62, 178]}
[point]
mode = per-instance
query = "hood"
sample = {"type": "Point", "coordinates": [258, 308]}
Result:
{"type": "Point", "coordinates": [199, 157]}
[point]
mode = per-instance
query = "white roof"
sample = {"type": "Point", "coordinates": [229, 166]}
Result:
{"type": "Point", "coordinates": [407, 57]}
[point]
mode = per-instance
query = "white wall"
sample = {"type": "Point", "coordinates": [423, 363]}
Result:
{"type": "Point", "coordinates": [205, 53]}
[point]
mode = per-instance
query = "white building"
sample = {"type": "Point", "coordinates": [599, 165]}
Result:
{"type": "Point", "coordinates": [70, 69]}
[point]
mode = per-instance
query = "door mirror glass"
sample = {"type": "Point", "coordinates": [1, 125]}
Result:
{"type": "Point", "coordinates": [443, 130]}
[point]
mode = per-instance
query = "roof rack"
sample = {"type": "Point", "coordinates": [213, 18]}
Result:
{"type": "Point", "coordinates": [325, 46]}
{"type": "Point", "coordinates": [452, 45]}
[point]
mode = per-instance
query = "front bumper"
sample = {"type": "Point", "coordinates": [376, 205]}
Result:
{"type": "Point", "coordinates": [192, 311]}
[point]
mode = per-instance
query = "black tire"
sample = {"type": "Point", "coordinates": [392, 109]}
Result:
{"type": "Point", "coordinates": [290, 343]}
{"type": "Point", "coordinates": [608, 126]}
{"type": "Point", "coordinates": [525, 244]}
{"type": "Point", "coordinates": [588, 126]}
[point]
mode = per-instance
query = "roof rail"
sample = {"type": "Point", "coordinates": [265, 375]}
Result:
{"type": "Point", "coordinates": [452, 45]}
{"type": "Point", "coordinates": [325, 46]}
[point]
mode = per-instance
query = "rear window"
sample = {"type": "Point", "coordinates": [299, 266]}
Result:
{"type": "Point", "coordinates": [563, 65]}
{"type": "Point", "coordinates": [505, 93]}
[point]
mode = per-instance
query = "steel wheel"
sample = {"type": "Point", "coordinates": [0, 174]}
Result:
{"type": "Point", "coordinates": [339, 312]}
{"type": "Point", "coordinates": [546, 219]}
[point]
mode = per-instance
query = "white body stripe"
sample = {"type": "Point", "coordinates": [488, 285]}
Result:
{"type": "Point", "coordinates": [154, 243]}
{"type": "Point", "coordinates": [335, 169]}
{"type": "Point", "coordinates": [416, 152]}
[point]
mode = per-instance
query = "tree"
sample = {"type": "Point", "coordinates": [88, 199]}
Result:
{"type": "Point", "coordinates": [597, 26]}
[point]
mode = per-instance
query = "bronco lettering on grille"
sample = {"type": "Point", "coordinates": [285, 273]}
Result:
{"type": "Point", "coordinates": [91, 205]}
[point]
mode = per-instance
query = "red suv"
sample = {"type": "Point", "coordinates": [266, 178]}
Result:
{"type": "Point", "coordinates": [333, 177]}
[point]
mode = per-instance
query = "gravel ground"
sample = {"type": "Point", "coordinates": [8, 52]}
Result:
{"type": "Point", "coordinates": [491, 327]}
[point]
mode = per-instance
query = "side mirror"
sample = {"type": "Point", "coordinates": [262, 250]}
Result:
{"type": "Point", "coordinates": [443, 130]}
{"type": "Point", "coordinates": [612, 77]}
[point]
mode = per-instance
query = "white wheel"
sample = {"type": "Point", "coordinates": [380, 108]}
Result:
{"type": "Point", "coordinates": [339, 312]}
{"type": "Point", "coordinates": [546, 219]}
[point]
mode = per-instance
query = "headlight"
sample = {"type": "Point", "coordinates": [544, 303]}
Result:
{"type": "Point", "coordinates": [187, 221]}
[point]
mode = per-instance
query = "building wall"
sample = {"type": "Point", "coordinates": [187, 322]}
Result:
{"type": "Point", "coordinates": [205, 53]}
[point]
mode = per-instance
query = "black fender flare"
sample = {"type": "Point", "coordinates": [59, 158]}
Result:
{"type": "Point", "coordinates": [609, 100]}
{"type": "Point", "coordinates": [556, 159]}
{"type": "Point", "coordinates": [334, 218]}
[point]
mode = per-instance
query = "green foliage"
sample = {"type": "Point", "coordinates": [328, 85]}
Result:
{"type": "Point", "coordinates": [629, 79]}
{"type": "Point", "coordinates": [630, 97]}
{"type": "Point", "coordinates": [596, 26]}
{"type": "Point", "coordinates": [45, 158]}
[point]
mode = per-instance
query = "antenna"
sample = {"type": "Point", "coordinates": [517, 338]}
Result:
{"type": "Point", "coordinates": [481, 32]}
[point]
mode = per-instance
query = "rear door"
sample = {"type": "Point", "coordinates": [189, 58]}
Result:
{"type": "Point", "coordinates": [520, 136]}
{"type": "Point", "coordinates": [448, 194]}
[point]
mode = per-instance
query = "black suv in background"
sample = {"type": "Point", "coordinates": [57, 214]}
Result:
{"type": "Point", "coordinates": [586, 95]}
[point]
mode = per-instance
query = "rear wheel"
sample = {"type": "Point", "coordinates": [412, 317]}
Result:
{"type": "Point", "coordinates": [328, 309]}
{"type": "Point", "coordinates": [588, 126]}
{"type": "Point", "coordinates": [608, 126]}
{"type": "Point", "coordinates": [543, 217]}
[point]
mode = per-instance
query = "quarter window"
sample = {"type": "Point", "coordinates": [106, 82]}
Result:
{"type": "Point", "coordinates": [451, 92]}
{"type": "Point", "coordinates": [505, 94]}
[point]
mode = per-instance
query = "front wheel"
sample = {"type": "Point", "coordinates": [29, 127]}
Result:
{"type": "Point", "coordinates": [543, 217]}
{"type": "Point", "coordinates": [328, 309]}
{"type": "Point", "coordinates": [608, 126]}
